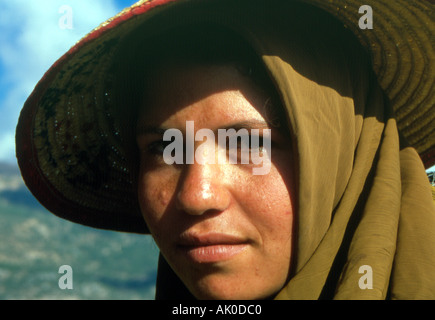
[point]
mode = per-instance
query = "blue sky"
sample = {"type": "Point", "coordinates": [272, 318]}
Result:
{"type": "Point", "coordinates": [31, 39]}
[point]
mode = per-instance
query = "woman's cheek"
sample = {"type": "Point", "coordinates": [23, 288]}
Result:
{"type": "Point", "coordinates": [269, 199]}
{"type": "Point", "coordinates": [154, 196]}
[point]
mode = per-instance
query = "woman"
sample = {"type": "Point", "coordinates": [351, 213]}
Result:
{"type": "Point", "coordinates": [344, 192]}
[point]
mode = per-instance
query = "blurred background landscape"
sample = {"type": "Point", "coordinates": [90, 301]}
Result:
{"type": "Point", "coordinates": [34, 244]}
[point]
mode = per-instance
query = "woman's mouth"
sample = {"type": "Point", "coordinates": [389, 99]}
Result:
{"type": "Point", "coordinates": [211, 247]}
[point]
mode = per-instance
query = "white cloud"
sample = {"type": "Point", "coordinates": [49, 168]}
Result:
{"type": "Point", "coordinates": [31, 39]}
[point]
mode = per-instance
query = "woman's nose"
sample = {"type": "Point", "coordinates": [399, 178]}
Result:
{"type": "Point", "coordinates": [202, 189]}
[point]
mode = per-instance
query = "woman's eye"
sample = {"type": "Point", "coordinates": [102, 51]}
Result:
{"type": "Point", "coordinates": [244, 148]}
{"type": "Point", "coordinates": [239, 149]}
{"type": "Point", "coordinates": [249, 142]}
{"type": "Point", "coordinates": [157, 147]}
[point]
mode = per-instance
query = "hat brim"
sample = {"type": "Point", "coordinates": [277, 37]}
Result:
{"type": "Point", "coordinates": [401, 49]}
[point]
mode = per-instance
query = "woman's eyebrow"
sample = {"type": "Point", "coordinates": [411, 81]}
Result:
{"type": "Point", "coordinates": [145, 129]}
{"type": "Point", "coordinates": [247, 124]}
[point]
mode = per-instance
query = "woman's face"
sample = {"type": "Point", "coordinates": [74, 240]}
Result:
{"type": "Point", "coordinates": [226, 232]}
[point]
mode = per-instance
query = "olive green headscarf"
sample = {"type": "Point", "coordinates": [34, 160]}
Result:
{"type": "Point", "coordinates": [364, 200]}
{"type": "Point", "coordinates": [363, 196]}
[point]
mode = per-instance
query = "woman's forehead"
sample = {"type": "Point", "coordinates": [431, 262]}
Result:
{"type": "Point", "coordinates": [211, 94]}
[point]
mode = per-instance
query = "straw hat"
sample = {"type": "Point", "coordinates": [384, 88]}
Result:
{"type": "Point", "coordinates": [69, 147]}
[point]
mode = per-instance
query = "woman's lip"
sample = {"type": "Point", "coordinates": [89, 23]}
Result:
{"type": "Point", "coordinates": [211, 247]}
{"type": "Point", "coordinates": [209, 239]}
{"type": "Point", "coordinates": [213, 253]}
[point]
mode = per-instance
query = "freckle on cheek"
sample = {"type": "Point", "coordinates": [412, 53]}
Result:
{"type": "Point", "coordinates": [163, 197]}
